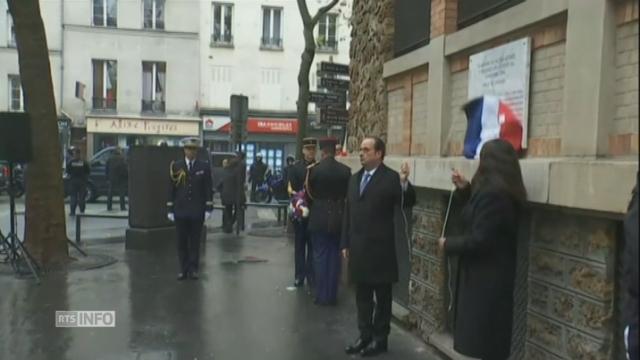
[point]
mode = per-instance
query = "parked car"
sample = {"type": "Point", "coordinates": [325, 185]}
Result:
{"type": "Point", "coordinates": [98, 185]}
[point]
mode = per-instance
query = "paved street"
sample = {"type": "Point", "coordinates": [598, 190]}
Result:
{"type": "Point", "coordinates": [235, 311]}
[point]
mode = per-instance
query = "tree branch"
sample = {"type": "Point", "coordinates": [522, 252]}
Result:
{"type": "Point", "coordinates": [323, 10]}
{"type": "Point", "coordinates": [304, 12]}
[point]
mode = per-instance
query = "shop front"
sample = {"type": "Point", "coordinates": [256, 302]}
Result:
{"type": "Point", "coordinates": [103, 132]}
{"type": "Point", "coordinates": [273, 138]}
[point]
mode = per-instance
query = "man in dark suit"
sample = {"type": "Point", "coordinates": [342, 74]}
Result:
{"type": "Point", "coordinates": [117, 175]}
{"type": "Point", "coordinates": [327, 184]}
{"type": "Point", "coordinates": [368, 241]}
{"type": "Point", "coordinates": [296, 178]}
{"type": "Point", "coordinates": [257, 173]}
{"type": "Point", "coordinates": [190, 204]}
{"type": "Point", "coordinates": [232, 192]}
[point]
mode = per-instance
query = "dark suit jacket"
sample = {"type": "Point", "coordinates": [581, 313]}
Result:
{"type": "Point", "coordinates": [486, 274]}
{"type": "Point", "coordinates": [630, 274]}
{"type": "Point", "coordinates": [192, 196]}
{"type": "Point", "coordinates": [327, 188]}
{"type": "Point", "coordinates": [369, 227]}
{"type": "Point", "coordinates": [296, 175]}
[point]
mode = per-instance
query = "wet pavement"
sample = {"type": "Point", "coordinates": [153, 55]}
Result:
{"type": "Point", "coordinates": [235, 311]}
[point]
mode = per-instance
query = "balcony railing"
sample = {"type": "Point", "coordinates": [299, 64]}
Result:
{"type": "Point", "coordinates": [271, 43]}
{"type": "Point", "coordinates": [153, 106]}
{"type": "Point", "coordinates": [104, 103]}
{"type": "Point", "coordinates": [225, 40]}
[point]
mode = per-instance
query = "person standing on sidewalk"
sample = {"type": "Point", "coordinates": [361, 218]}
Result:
{"type": "Point", "coordinates": [78, 171]}
{"type": "Point", "coordinates": [190, 204]}
{"type": "Point", "coordinates": [486, 272]}
{"type": "Point", "coordinates": [257, 171]}
{"type": "Point", "coordinates": [117, 175]}
{"type": "Point", "coordinates": [296, 178]}
{"type": "Point", "coordinates": [327, 184]}
{"type": "Point", "coordinates": [232, 193]}
{"type": "Point", "coordinates": [376, 193]}
{"type": "Point", "coordinates": [630, 276]}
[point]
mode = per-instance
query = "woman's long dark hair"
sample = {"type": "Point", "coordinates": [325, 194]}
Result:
{"type": "Point", "coordinates": [499, 169]}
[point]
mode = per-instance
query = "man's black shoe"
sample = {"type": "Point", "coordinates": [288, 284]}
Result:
{"type": "Point", "coordinates": [376, 348]}
{"type": "Point", "coordinates": [357, 347]}
{"type": "Point", "coordinates": [182, 276]}
{"type": "Point", "coordinates": [194, 275]}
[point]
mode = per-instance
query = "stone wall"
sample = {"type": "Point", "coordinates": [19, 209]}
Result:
{"type": "Point", "coordinates": [571, 284]}
{"type": "Point", "coordinates": [371, 46]}
{"type": "Point", "coordinates": [458, 124]}
{"type": "Point", "coordinates": [419, 118]}
{"type": "Point", "coordinates": [623, 138]}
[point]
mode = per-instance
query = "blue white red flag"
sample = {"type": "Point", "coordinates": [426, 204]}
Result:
{"type": "Point", "coordinates": [489, 118]}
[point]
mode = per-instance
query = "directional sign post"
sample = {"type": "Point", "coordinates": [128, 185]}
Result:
{"type": "Point", "coordinates": [328, 99]}
{"type": "Point", "coordinates": [334, 116]}
{"type": "Point", "coordinates": [334, 84]}
{"type": "Point", "coordinates": [338, 69]}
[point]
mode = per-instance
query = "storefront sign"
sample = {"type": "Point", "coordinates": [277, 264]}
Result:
{"type": "Point", "coordinates": [143, 127]}
{"type": "Point", "coordinates": [504, 72]}
{"type": "Point", "coordinates": [254, 125]}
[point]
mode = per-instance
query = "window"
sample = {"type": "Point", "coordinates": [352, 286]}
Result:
{"type": "Point", "coordinates": [271, 27]}
{"type": "Point", "coordinates": [105, 13]}
{"type": "Point", "coordinates": [222, 16]}
{"type": "Point", "coordinates": [105, 84]}
{"type": "Point", "coordinates": [16, 98]}
{"type": "Point", "coordinates": [154, 76]}
{"type": "Point", "coordinates": [153, 14]}
{"type": "Point", "coordinates": [412, 27]}
{"type": "Point", "coordinates": [472, 11]}
{"type": "Point", "coordinates": [11, 30]}
{"type": "Point", "coordinates": [327, 33]}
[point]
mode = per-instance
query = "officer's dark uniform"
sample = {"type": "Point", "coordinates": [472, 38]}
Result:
{"type": "Point", "coordinates": [190, 196]}
{"type": "Point", "coordinates": [327, 186]}
{"type": "Point", "coordinates": [78, 171]}
{"type": "Point", "coordinates": [303, 253]}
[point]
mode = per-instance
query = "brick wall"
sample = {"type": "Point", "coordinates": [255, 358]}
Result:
{"type": "Point", "coordinates": [546, 100]}
{"type": "Point", "coordinates": [571, 283]}
{"type": "Point", "coordinates": [396, 120]}
{"type": "Point", "coordinates": [419, 118]}
{"type": "Point", "coordinates": [623, 137]}
{"type": "Point", "coordinates": [458, 123]}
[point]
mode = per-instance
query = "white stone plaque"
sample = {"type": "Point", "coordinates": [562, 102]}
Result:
{"type": "Point", "coordinates": [504, 71]}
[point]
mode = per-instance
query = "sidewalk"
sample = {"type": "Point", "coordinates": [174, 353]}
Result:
{"type": "Point", "coordinates": [236, 311]}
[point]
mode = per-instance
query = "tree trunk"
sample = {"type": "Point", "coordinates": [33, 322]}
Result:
{"type": "Point", "coordinates": [308, 55]}
{"type": "Point", "coordinates": [45, 227]}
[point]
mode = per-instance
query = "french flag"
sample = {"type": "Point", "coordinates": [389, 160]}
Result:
{"type": "Point", "coordinates": [489, 118]}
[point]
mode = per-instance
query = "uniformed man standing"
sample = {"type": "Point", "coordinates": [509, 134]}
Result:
{"type": "Point", "coordinates": [190, 204]}
{"type": "Point", "coordinates": [78, 171]}
{"type": "Point", "coordinates": [296, 178]}
{"type": "Point", "coordinates": [327, 185]}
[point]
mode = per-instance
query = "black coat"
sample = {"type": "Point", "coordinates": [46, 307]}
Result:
{"type": "Point", "coordinates": [116, 169]}
{"type": "Point", "coordinates": [630, 273]}
{"type": "Point", "coordinates": [486, 274]}
{"type": "Point", "coordinates": [257, 172]}
{"type": "Point", "coordinates": [327, 188]}
{"type": "Point", "coordinates": [191, 193]}
{"type": "Point", "coordinates": [296, 175]}
{"type": "Point", "coordinates": [369, 227]}
{"type": "Point", "coordinates": [232, 185]}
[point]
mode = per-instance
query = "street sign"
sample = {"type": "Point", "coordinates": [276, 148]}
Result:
{"type": "Point", "coordinates": [328, 99]}
{"type": "Point", "coordinates": [334, 116]}
{"type": "Point", "coordinates": [335, 84]}
{"type": "Point", "coordinates": [340, 69]}
{"type": "Point", "coordinates": [239, 113]}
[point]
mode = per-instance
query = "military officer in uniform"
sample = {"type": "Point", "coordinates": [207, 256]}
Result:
{"type": "Point", "coordinates": [190, 204]}
{"type": "Point", "coordinates": [296, 177]}
{"type": "Point", "coordinates": [327, 185]}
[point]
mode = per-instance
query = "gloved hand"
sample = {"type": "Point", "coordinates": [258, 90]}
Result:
{"type": "Point", "coordinates": [171, 217]}
{"type": "Point", "coordinates": [207, 215]}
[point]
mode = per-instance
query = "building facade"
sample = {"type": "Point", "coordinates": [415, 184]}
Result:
{"type": "Point", "coordinates": [253, 48]}
{"type": "Point", "coordinates": [131, 71]}
{"type": "Point", "coordinates": [413, 67]}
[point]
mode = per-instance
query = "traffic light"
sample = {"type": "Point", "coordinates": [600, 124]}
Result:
{"type": "Point", "coordinates": [239, 111]}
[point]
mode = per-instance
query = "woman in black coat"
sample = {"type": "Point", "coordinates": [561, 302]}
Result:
{"type": "Point", "coordinates": [487, 253]}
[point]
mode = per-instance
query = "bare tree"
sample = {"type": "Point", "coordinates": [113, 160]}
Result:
{"type": "Point", "coordinates": [308, 54]}
{"type": "Point", "coordinates": [46, 235]}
